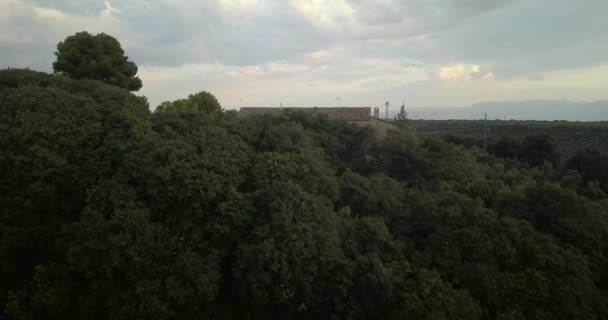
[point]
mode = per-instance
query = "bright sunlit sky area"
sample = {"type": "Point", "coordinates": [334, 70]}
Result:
{"type": "Point", "coordinates": [310, 52]}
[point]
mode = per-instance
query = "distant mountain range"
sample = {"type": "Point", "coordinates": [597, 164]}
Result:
{"type": "Point", "coordinates": [519, 110]}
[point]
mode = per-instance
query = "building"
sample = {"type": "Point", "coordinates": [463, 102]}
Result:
{"type": "Point", "coordinates": [360, 116]}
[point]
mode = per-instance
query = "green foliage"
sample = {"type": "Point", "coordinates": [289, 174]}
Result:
{"type": "Point", "coordinates": [506, 147]}
{"type": "Point", "coordinates": [97, 57]}
{"type": "Point", "coordinates": [203, 102]}
{"type": "Point", "coordinates": [538, 149]}
{"type": "Point", "coordinates": [60, 136]}
{"type": "Point", "coordinates": [568, 137]}
{"type": "Point", "coordinates": [109, 211]}
{"type": "Point", "coordinates": [592, 165]}
{"type": "Point", "coordinates": [401, 119]}
{"type": "Point", "coordinates": [424, 295]}
{"type": "Point", "coordinates": [291, 257]}
{"type": "Point", "coordinates": [405, 131]}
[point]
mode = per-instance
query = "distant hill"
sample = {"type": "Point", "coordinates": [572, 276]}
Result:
{"type": "Point", "coordinates": [519, 110]}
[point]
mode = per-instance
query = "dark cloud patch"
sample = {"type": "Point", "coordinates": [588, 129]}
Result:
{"type": "Point", "coordinates": [81, 7]}
{"type": "Point", "coordinates": [168, 38]}
{"type": "Point", "coordinates": [429, 15]}
{"type": "Point", "coordinates": [509, 37]}
{"type": "Point", "coordinates": [531, 36]}
{"type": "Point", "coordinates": [26, 56]}
{"type": "Point", "coordinates": [160, 24]}
{"type": "Point", "coordinates": [473, 7]}
{"type": "Point", "coordinates": [505, 37]}
{"type": "Point", "coordinates": [377, 13]}
{"type": "Point", "coordinates": [27, 42]}
{"type": "Point", "coordinates": [536, 77]}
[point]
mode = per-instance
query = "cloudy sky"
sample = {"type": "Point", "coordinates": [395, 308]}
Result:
{"type": "Point", "coordinates": [310, 52]}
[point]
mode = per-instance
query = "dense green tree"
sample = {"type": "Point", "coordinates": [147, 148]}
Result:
{"type": "Point", "coordinates": [97, 57]}
{"type": "Point", "coordinates": [592, 165]}
{"type": "Point", "coordinates": [537, 149]}
{"type": "Point", "coordinates": [201, 102]}
{"type": "Point", "coordinates": [503, 263]}
{"type": "Point", "coordinates": [423, 295]}
{"type": "Point", "coordinates": [109, 211]}
{"type": "Point", "coordinates": [289, 260]}
{"type": "Point", "coordinates": [401, 119]}
{"type": "Point", "coordinates": [506, 147]}
{"type": "Point", "coordinates": [205, 102]}
{"type": "Point", "coordinates": [60, 136]}
{"type": "Point", "coordinates": [567, 216]}
{"type": "Point", "coordinates": [49, 141]}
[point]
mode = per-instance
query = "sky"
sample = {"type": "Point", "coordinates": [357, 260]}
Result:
{"type": "Point", "coordinates": [428, 53]}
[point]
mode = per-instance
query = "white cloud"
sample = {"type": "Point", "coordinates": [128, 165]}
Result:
{"type": "Point", "coordinates": [305, 52]}
{"type": "Point", "coordinates": [488, 76]}
{"type": "Point", "coordinates": [286, 68]}
{"type": "Point", "coordinates": [330, 14]}
{"type": "Point", "coordinates": [456, 72]}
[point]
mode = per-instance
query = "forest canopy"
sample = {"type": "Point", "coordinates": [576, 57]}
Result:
{"type": "Point", "coordinates": [110, 211]}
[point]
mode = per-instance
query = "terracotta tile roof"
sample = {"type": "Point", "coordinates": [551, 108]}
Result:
{"type": "Point", "coordinates": [256, 111]}
{"type": "Point", "coordinates": [337, 113]}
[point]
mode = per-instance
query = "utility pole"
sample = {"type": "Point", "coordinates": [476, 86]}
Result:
{"type": "Point", "coordinates": [485, 131]}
